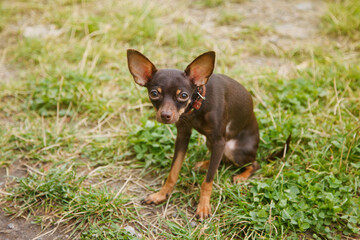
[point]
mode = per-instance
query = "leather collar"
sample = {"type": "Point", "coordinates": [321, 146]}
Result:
{"type": "Point", "coordinates": [196, 100]}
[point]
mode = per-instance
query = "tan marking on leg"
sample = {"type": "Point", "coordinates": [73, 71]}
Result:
{"type": "Point", "coordinates": [204, 165]}
{"type": "Point", "coordinates": [244, 175]}
{"type": "Point", "coordinates": [167, 188]}
{"type": "Point", "coordinates": [204, 208]}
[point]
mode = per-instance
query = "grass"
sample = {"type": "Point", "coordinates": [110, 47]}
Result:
{"type": "Point", "coordinates": [228, 17]}
{"type": "Point", "coordinates": [61, 191]}
{"type": "Point", "coordinates": [343, 19]}
{"type": "Point", "coordinates": [86, 135]}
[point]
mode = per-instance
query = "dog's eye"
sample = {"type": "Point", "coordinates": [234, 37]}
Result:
{"type": "Point", "coordinates": [154, 94]}
{"type": "Point", "coordinates": [183, 96]}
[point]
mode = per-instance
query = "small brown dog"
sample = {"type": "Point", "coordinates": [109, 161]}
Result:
{"type": "Point", "coordinates": [215, 105]}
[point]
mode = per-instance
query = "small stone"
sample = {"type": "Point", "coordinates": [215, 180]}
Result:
{"type": "Point", "coordinates": [174, 214]}
{"type": "Point", "coordinates": [11, 226]}
{"type": "Point", "coordinates": [286, 18]}
{"type": "Point", "coordinates": [42, 31]}
{"type": "Point", "coordinates": [193, 224]}
{"type": "Point", "coordinates": [273, 39]}
{"type": "Point", "coordinates": [304, 6]}
{"type": "Point", "coordinates": [131, 230]}
{"type": "Point", "coordinates": [255, 11]}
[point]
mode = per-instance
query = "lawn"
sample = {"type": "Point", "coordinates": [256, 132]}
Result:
{"type": "Point", "coordinates": [80, 147]}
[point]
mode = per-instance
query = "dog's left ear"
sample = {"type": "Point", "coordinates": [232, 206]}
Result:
{"type": "Point", "coordinates": [201, 68]}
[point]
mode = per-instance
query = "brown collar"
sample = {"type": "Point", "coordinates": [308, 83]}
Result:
{"type": "Point", "coordinates": [197, 100]}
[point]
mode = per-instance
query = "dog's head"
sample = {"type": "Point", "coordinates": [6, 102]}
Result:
{"type": "Point", "coordinates": [170, 90]}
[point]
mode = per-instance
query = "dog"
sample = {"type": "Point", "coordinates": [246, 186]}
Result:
{"type": "Point", "coordinates": [215, 105]}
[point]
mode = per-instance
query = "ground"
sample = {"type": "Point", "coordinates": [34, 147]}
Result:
{"type": "Point", "coordinates": [80, 147]}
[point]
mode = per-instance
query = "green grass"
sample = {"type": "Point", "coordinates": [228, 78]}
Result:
{"type": "Point", "coordinates": [60, 193]}
{"type": "Point", "coordinates": [229, 17]}
{"type": "Point", "coordinates": [343, 19]}
{"type": "Point", "coordinates": [72, 117]}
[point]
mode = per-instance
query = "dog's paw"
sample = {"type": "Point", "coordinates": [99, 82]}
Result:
{"type": "Point", "coordinates": [201, 166]}
{"type": "Point", "coordinates": [239, 179]}
{"type": "Point", "coordinates": [155, 198]}
{"type": "Point", "coordinates": [203, 211]}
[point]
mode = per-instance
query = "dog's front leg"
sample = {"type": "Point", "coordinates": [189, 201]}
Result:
{"type": "Point", "coordinates": [181, 144]}
{"type": "Point", "coordinates": [204, 208]}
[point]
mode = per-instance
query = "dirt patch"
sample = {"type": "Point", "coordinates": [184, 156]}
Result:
{"type": "Point", "coordinates": [252, 63]}
{"type": "Point", "coordinates": [16, 170]}
{"type": "Point", "coordinates": [291, 24]}
{"type": "Point", "coordinates": [24, 229]}
{"type": "Point", "coordinates": [20, 228]}
{"type": "Point", "coordinates": [5, 74]}
{"type": "Point", "coordinates": [295, 19]}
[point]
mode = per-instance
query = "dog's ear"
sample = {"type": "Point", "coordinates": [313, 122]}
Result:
{"type": "Point", "coordinates": [201, 68]}
{"type": "Point", "coordinates": [140, 67]}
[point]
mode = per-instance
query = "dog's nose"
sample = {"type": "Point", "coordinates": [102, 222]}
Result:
{"type": "Point", "coordinates": [166, 115]}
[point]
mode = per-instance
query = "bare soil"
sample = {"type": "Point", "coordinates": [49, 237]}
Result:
{"type": "Point", "coordinates": [20, 228]}
{"type": "Point", "coordinates": [24, 229]}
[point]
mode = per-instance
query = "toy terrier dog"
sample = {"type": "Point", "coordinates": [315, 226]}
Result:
{"type": "Point", "coordinates": [215, 105]}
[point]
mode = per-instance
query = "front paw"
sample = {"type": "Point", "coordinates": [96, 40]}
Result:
{"type": "Point", "coordinates": [203, 211]}
{"type": "Point", "coordinates": [155, 198]}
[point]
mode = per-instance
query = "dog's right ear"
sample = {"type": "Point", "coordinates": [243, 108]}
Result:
{"type": "Point", "coordinates": [201, 68]}
{"type": "Point", "coordinates": [140, 67]}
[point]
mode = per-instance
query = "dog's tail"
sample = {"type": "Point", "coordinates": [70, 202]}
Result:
{"type": "Point", "coordinates": [281, 153]}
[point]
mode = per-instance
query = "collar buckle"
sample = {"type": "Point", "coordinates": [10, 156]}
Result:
{"type": "Point", "coordinates": [202, 97]}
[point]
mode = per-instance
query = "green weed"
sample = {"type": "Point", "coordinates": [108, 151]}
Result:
{"type": "Point", "coordinates": [153, 145]}
{"type": "Point", "coordinates": [58, 93]}
{"type": "Point", "coordinates": [106, 232]}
